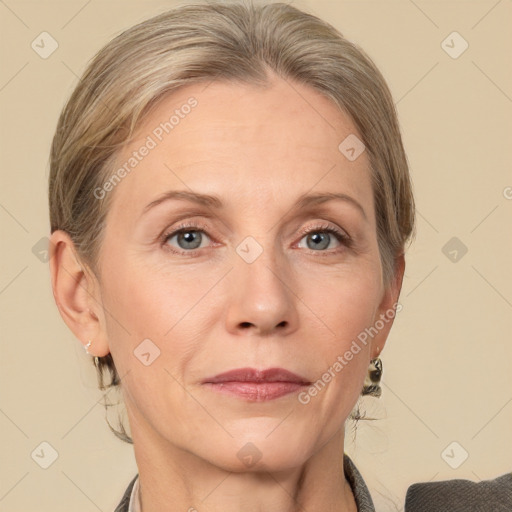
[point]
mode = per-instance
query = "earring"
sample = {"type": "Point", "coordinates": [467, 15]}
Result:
{"type": "Point", "coordinates": [371, 384]}
{"type": "Point", "coordinates": [96, 358]}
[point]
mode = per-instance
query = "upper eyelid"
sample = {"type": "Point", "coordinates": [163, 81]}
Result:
{"type": "Point", "coordinates": [318, 211]}
{"type": "Point", "coordinates": [199, 226]}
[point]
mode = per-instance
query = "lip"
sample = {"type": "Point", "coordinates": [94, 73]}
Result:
{"type": "Point", "coordinates": [256, 385]}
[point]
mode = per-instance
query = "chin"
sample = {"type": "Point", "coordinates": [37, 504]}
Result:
{"type": "Point", "coordinates": [259, 452]}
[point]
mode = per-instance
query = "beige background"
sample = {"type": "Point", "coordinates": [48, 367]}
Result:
{"type": "Point", "coordinates": [448, 360]}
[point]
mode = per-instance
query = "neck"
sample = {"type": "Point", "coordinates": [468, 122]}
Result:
{"type": "Point", "coordinates": [172, 480]}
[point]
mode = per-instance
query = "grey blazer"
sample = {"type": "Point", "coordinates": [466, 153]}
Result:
{"type": "Point", "coordinates": [444, 496]}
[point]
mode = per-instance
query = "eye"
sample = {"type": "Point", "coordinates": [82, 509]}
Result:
{"type": "Point", "coordinates": [319, 238]}
{"type": "Point", "coordinates": [187, 238]}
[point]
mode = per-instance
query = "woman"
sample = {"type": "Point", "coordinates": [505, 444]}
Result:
{"type": "Point", "coordinates": [230, 203]}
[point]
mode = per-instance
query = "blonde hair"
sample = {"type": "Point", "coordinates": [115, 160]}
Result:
{"type": "Point", "coordinates": [237, 42]}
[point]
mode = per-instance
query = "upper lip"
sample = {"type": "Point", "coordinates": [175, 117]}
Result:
{"type": "Point", "coordinates": [253, 375]}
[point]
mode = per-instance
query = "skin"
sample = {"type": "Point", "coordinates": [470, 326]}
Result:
{"type": "Point", "coordinates": [295, 307]}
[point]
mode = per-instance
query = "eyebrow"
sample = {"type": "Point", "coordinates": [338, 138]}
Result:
{"type": "Point", "coordinates": [216, 203]}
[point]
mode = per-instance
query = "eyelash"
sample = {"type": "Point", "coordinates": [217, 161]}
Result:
{"type": "Point", "coordinates": [343, 238]}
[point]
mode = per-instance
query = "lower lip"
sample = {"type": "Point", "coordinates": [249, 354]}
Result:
{"type": "Point", "coordinates": [256, 391]}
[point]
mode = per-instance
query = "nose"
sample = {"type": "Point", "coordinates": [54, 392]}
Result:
{"type": "Point", "coordinates": [262, 297]}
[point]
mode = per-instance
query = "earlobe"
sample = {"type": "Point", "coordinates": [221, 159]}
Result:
{"type": "Point", "coordinates": [75, 293]}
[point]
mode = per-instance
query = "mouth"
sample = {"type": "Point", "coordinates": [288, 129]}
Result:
{"type": "Point", "coordinates": [256, 385]}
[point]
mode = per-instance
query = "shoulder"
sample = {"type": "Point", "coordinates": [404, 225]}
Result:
{"type": "Point", "coordinates": [124, 504]}
{"type": "Point", "coordinates": [361, 493]}
{"type": "Point", "coordinates": [461, 496]}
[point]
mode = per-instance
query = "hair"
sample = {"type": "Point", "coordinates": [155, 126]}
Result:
{"type": "Point", "coordinates": [237, 42]}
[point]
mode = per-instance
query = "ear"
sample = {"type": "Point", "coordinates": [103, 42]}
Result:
{"type": "Point", "coordinates": [388, 307]}
{"type": "Point", "coordinates": [76, 293]}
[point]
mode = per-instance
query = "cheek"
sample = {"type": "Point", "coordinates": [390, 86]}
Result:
{"type": "Point", "coordinates": [134, 306]}
{"type": "Point", "coordinates": [147, 340]}
{"type": "Point", "coordinates": [344, 302]}
{"type": "Point", "coordinates": [169, 309]}
{"type": "Point", "coordinates": [345, 309]}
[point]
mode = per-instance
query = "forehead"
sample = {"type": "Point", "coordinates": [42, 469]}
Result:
{"type": "Point", "coordinates": [265, 143]}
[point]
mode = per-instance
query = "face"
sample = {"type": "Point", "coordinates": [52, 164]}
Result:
{"type": "Point", "coordinates": [240, 270]}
